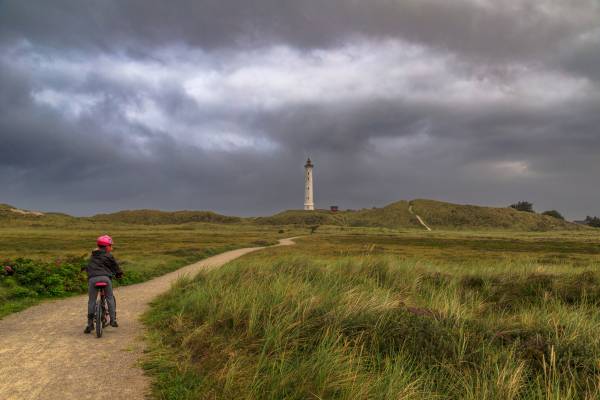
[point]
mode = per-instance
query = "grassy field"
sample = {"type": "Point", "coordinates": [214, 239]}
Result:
{"type": "Point", "coordinates": [144, 251]}
{"type": "Point", "coordinates": [349, 314]}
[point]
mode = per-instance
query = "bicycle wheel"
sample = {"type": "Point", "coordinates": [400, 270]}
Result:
{"type": "Point", "coordinates": [105, 313]}
{"type": "Point", "coordinates": [99, 315]}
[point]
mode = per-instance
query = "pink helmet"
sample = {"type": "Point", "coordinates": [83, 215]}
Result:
{"type": "Point", "coordinates": [104, 240]}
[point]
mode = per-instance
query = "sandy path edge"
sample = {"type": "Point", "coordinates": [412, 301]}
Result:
{"type": "Point", "coordinates": [45, 355]}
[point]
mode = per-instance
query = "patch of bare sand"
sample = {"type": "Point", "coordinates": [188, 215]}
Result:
{"type": "Point", "coordinates": [23, 212]}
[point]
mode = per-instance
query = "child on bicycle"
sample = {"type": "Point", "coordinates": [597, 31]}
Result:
{"type": "Point", "coordinates": [102, 267]}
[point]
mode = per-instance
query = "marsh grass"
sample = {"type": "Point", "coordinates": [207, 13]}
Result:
{"type": "Point", "coordinates": [276, 326]}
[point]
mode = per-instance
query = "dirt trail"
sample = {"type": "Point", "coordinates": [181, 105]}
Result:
{"type": "Point", "coordinates": [45, 355]}
{"type": "Point", "coordinates": [410, 210]}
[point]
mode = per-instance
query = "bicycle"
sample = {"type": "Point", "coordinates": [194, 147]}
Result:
{"type": "Point", "coordinates": [101, 314]}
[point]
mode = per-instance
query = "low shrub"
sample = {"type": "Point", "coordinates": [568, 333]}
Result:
{"type": "Point", "coordinates": [44, 279]}
{"type": "Point", "coordinates": [554, 214]}
{"type": "Point", "coordinates": [513, 293]}
{"type": "Point", "coordinates": [32, 280]}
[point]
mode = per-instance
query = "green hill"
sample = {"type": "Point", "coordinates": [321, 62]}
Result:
{"type": "Point", "coordinates": [441, 215]}
{"type": "Point", "coordinates": [395, 215]}
{"type": "Point", "coordinates": [436, 214]}
{"type": "Point", "coordinates": [299, 217]}
{"type": "Point", "coordinates": [13, 215]}
{"type": "Point", "coordinates": [6, 210]}
{"type": "Point", "coordinates": [156, 217]}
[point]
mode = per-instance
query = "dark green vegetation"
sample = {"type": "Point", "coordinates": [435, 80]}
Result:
{"type": "Point", "coordinates": [24, 281]}
{"type": "Point", "coordinates": [593, 221]}
{"type": "Point", "coordinates": [30, 280]}
{"type": "Point", "coordinates": [523, 206]}
{"type": "Point", "coordinates": [387, 316]}
{"type": "Point", "coordinates": [553, 213]}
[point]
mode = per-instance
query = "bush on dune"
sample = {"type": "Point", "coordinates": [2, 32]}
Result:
{"type": "Point", "coordinates": [31, 280]}
{"type": "Point", "coordinates": [44, 279]}
{"type": "Point", "coordinates": [554, 214]}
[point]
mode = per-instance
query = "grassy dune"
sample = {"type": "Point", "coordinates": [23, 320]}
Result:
{"type": "Point", "coordinates": [306, 322]}
{"type": "Point", "coordinates": [156, 217]}
{"type": "Point", "coordinates": [392, 216]}
{"type": "Point", "coordinates": [438, 215]}
{"type": "Point", "coordinates": [441, 215]}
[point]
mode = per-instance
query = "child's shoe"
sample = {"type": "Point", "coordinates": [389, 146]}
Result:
{"type": "Point", "coordinates": [90, 325]}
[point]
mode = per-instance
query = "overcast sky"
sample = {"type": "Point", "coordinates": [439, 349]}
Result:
{"type": "Point", "coordinates": [216, 104]}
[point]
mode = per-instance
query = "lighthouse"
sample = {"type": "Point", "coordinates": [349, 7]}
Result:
{"type": "Point", "coordinates": [308, 186]}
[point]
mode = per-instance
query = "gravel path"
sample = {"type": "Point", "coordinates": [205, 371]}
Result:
{"type": "Point", "coordinates": [45, 355]}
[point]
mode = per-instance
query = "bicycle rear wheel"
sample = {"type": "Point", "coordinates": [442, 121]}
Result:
{"type": "Point", "coordinates": [98, 316]}
{"type": "Point", "coordinates": [105, 313]}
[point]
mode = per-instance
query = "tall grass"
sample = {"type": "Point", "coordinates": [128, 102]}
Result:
{"type": "Point", "coordinates": [376, 327]}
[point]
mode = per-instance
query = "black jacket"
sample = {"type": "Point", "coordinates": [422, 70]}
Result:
{"type": "Point", "coordinates": [102, 264]}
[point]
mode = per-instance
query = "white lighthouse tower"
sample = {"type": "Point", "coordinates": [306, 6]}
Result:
{"type": "Point", "coordinates": [309, 203]}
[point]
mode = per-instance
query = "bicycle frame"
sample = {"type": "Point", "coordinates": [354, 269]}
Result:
{"type": "Point", "coordinates": [104, 306]}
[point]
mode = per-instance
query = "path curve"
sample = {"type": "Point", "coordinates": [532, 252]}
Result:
{"type": "Point", "coordinates": [45, 355]}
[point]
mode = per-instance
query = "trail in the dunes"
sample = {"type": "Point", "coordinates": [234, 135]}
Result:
{"type": "Point", "coordinates": [45, 355]}
{"type": "Point", "coordinates": [410, 210]}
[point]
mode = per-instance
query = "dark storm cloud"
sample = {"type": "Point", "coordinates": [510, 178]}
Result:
{"type": "Point", "coordinates": [480, 27]}
{"type": "Point", "coordinates": [215, 104]}
{"type": "Point", "coordinates": [583, 56]}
